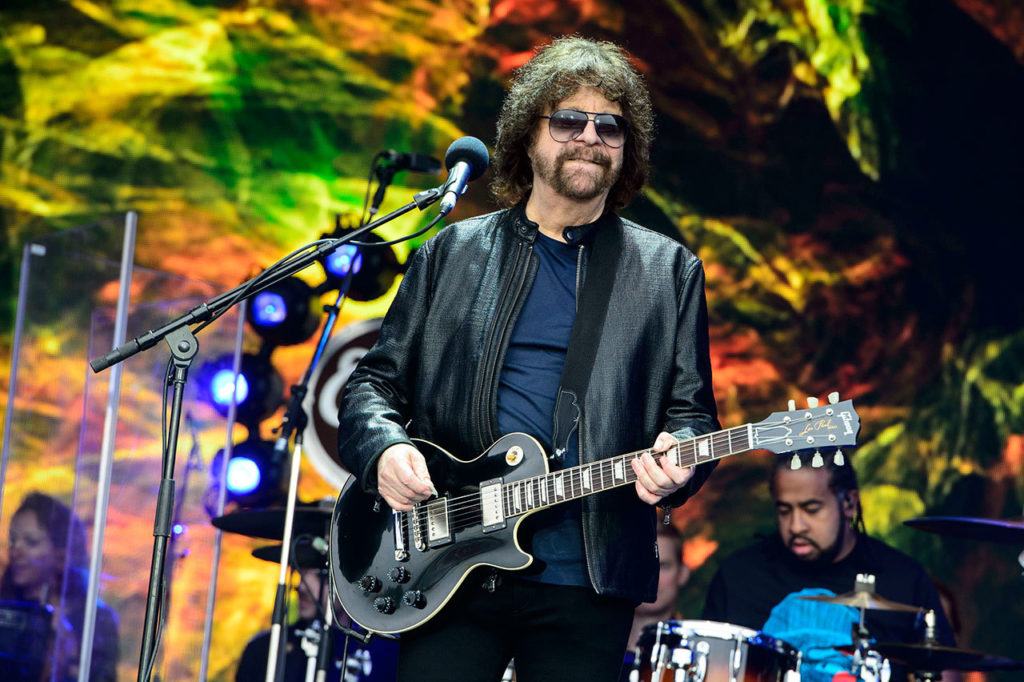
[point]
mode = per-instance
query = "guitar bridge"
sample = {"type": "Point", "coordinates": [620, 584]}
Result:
{"type": "Point", "coordinates": [492, 515]}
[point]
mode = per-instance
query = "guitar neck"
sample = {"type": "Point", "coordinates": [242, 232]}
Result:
{"type": "Point", "coordinates": [575, 482]}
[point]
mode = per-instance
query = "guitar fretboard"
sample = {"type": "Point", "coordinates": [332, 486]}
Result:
{"type": "Point", "coordinates": [575, 482]}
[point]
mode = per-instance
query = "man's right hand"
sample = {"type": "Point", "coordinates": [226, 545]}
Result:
{"type": "Point", "coordinates": [402, 477]}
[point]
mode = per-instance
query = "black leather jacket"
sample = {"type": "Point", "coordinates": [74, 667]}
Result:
{"type": "Point", "coordinates": [433, 372]}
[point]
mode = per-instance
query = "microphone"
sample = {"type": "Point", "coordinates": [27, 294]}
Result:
{"type": "Point", "coordinates": [410, 161]}
{"type": "Point", "coordinates": [466, 160]}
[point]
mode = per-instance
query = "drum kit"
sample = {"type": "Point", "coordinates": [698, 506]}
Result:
{"type": "Point", "coordinates": [706, 651]}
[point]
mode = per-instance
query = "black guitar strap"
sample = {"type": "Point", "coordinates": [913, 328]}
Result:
{"type": "Point", "coordinates": [591, 311]}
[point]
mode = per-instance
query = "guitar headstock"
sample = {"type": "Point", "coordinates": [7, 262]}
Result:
{"type": "Point", "coordinates": [834, 425]}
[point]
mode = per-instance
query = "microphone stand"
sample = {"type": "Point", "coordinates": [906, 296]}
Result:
{"type": "Point", "coordinates": [184, 346]}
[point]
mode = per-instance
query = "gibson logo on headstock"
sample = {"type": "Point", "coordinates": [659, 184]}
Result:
{"type": "Point", "coordinates": [817, 426]}
{"type": "Point", "coordinates": [847, 422]}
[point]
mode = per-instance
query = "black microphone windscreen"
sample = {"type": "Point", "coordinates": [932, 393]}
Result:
{"type": "Point", "coordinates": [472, 151]}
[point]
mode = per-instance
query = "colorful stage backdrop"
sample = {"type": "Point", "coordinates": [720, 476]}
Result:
{"type": "Point", "coordinates": [850, 172]}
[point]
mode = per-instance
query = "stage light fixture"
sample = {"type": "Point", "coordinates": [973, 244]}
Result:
{"type": "Point", "coordinates": [373, 268]}
{"type": "Point", "coordinates": [286, 313]}
{"type": "Point", "coordinates": [255, 473]}
{"type": "Point", "coordinates": [344, 259]}
{"type": "Point", "coordinates": [258, 391]}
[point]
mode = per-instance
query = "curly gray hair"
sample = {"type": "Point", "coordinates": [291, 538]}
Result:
{"type": "Point", "coordinates": [556, 72]}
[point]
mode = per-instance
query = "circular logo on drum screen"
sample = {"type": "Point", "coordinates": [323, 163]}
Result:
{"type": "Point", "coordinates": [343, 352]}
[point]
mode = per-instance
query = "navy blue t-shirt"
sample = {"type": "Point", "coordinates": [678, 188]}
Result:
{"type": "Point", "coordinates": [527, 389]}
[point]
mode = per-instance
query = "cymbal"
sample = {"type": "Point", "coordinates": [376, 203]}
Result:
{"type": "Point", "coordinates": [935, 657]}
{"type": "Point", "coordinates": [864, 600]}
{"type": "Point", "coordinates": [1009, 531]}
{"type": "Point", "coordinates": [305, 556]}
{"type": "Point", "coordinates": [268, 524]}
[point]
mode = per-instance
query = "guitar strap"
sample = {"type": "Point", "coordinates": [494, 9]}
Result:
{"type": "Point", "coordinates": [591, 311]}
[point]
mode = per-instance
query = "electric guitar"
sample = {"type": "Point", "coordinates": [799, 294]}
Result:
{"type": "Point", "coordinates": [394, 571]}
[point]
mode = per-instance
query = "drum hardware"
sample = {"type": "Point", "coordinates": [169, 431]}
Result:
{"type": "Point", "coordinates": [268, 524]}
{"type": "Point", "coordinates": [863, 597]}
{"type": "Point", "coordinates": [929, 658]}
{"type": "Point", "coordinates": [706, 651]}
{"type": "Point", "coordinates": [1005, 531]}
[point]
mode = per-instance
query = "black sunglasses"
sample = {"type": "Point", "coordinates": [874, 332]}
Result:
{"type": "Point", "coordinates": [568, 124]}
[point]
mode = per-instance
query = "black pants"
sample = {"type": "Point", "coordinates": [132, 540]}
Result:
{"type": "Point", "coordinates": [555, 634]}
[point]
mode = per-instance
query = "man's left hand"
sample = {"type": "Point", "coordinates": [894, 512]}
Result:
{"type": "Point", "coordinates": [656, 480]}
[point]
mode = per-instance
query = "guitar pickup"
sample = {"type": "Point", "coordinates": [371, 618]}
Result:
{"type": "Point", "coordinates": [492, 513]}
{"type": "Point", "coordinates": [438, 530]}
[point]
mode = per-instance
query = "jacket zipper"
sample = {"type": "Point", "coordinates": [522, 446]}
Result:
{"type": "Point", "coordinates": [579, 436]}
{"type": "Point", "coordinates": [499, 338]}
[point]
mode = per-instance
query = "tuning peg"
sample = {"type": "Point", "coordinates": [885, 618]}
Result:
{"type": "Point", "coordinates": [838, 458]}
{"type": "Point", "coordinates": [812, 401]}
{"type": "Point", "coordinates": [817, 462]}
{"type": "Point", "coordinates": [792, 406]}
{"type": "Point", "coordinates": [795, 463]}
{"type": "Point", "coordinates": [833, 397]}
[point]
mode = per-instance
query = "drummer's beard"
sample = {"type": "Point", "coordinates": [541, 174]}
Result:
{"type": "Point", "coordinates": [826, 555]}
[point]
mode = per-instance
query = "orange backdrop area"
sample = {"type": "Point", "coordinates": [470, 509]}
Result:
{"type": "Point", "coordinates": [849, 172]}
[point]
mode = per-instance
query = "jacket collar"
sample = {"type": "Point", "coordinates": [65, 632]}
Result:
{"type": "Point", "coordinates": [573, 234]}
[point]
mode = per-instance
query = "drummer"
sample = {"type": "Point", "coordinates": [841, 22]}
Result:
{"type": "Point", "coordinates": [821, 546]}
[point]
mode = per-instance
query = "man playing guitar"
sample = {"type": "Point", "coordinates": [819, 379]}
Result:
{"type": "Point", "coordinates": [556, 318]}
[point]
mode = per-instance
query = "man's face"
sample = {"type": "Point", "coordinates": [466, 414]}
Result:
{"type": "Point", "coordinates": [810, 516]}
{"type": "Point", "coordinates": [580, 169]}
{"type": "Point", "coordinates": [311, 581]}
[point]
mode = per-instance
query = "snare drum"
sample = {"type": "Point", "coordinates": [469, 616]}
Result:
{"type": "Point", "coordinates": [706, 651]}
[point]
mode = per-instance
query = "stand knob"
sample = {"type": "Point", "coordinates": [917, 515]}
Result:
{"type": "Point", "coordinates": [369, 583]}
{"type": "Point", "coordinates": [414, 598]}
{"type": "Point", "coordinates": [385, 605]}
{"type": "Point", "coordinates": [399, 574]}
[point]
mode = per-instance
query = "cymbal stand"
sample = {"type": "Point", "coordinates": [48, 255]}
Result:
{"type": "Point", "coordinates": [868, 664]}
{"type": "Point", "coordinates": [929, 639]}
{"type": "Point", "coordinates": [295, 421]}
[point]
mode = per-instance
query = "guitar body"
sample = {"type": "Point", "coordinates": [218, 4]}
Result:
{"type": "Point", "coordinates": [366, 548]}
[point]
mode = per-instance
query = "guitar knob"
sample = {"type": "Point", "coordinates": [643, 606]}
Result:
{"type": "Point", "coordinates": [385, 605]}
{"type": "Point", "coordinates": [414, 598]}
{"type": "Point", "coordinates": [399, 574]}
{"type": "Point", "coordinates": [369, 583]}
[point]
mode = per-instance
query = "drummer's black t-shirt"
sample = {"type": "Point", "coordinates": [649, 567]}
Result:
{"type": "Point", "coordinates": [752, 581]}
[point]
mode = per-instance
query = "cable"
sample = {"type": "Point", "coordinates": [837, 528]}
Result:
{"type": "Point", "coordinates": [407, 237]}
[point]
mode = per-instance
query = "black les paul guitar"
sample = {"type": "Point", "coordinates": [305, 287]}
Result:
{"type": "Point", "coordinates": [393, 571]}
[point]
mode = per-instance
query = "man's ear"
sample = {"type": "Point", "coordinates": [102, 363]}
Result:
{"type": "Point", "coordinates": [850, 503]}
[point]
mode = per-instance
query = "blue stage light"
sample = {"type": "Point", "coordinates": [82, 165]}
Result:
{"type": "Point", "coordinates": [269, 309]}
{"type": "Point", "coordinates": [344, 259]}
{"type": "Point", "coordinates": [257, 393]}
{"type": "Point", "coordinates": [243, 475]}
{"type": "Point", "coordinates": [286, 313]}
{"type": "Point", "coordinates": [221, 386]}
{"type": "Point", "coordinates": [255, 476]}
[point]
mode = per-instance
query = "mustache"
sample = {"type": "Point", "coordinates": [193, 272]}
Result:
{"type": "Point", "coordinates": [585, 155]}
{"type": "Point", "coordinates": [806, 539]}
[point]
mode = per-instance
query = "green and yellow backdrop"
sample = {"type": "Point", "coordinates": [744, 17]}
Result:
{"type": "Point", "coordinates": [850, 171]}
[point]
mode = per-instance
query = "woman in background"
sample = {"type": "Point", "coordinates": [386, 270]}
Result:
{"type": "Point", "coordinates": [43, 533]}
